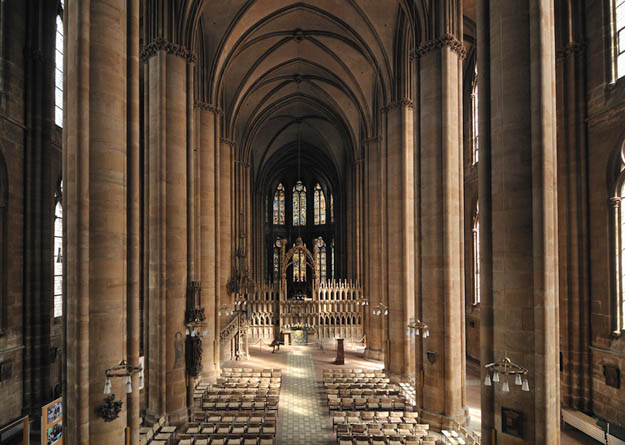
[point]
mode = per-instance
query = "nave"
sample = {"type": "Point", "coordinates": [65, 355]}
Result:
{"type": "Point", "coordinates": [318, 402]}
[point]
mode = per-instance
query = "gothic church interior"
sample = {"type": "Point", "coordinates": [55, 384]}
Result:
{"type": "Point", "coordinates": [415, 204]}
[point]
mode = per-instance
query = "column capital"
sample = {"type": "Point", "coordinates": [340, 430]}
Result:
{"type": "Point", "coordinates": [162, 44]}
{"type": "Point", "coordinates": [448, 40]}
{"type": "Point", "coordinates": [372, 140]}
{"type": "Point", "coordinates": [227, 141]}
{"type": "Point", "coordinates": [572, 48]}
{"type": "Point", "coordinates": [204, 106]}
{"type": "Point", "coordinates": [405, 102]}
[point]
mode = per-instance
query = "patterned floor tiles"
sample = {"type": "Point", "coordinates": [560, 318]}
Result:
{"type": "Point", "coordinates": [302, 418]}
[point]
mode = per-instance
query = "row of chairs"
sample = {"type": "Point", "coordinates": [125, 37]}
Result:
{"type": "Point", "coordinates": [356, 383]}
{"type": "Point", "coordinates": [236, 428]}
{"type": "Point", "coordinates": [242, 391]}
{"type": "Point", "coordinates": [381, 440]}
{"type": "Point", "coordinates": [251, 372]}
{"type": "Point", "coordinates": [226, 440]}
{"type": "Point", "coordinates": [367, 392]}
{"type": "Point", "coordinates": [387, 429]}
{"type": "Point", "coordinates": [379, 417]}
{"type": "Point", "coordinates": [214, 417]}
{"type": "Point", "coordinates": [160, 431]}
{"type": "Point", "coordinates": [353, 371]}
{"type": "Point", "coordinates": [258, 381]}
{"type": "Point", "coordinates": [367, 403]}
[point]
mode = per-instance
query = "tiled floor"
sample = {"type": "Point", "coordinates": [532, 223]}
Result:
{"type": "Point", "coordinates": [302, 419]}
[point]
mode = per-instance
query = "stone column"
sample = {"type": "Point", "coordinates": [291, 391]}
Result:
{"type": "Point", "coordinates": [134, 219]}
{"type": "Point", "coordinates": [442, 285]}
{"type": "Point", "coordinates": [400, 234]}
{"type": "Point", "coordinates": [167, 182]}
{"type": "Point", "coordinates": [524, 213]}
{"type": "Point", "coordinates": [94, 200]}
{"type": "Point", "coordinates": [358, 212]}
{"type": "Point", "coordinates": [487, 393]}
{"type": "Point", "coordinates": [226, 164]}
{"type": "Point", "coordinates": [573, 209]}
{"type": "Point", "coordinates": [373, 276]}
{"type": "Point", "coordinates": [208, 252]}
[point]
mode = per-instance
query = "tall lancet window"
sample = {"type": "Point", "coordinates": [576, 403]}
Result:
{"type": "Point", "coordinates": [320, 206]}
{"type": "Point", "coordinates": [299, 204]}
{"type": "Point", "coordinates": [299, 266]}
{"type": "Point", "coordinates": [475, 120]}
{"type": "Point", "coordinates": [278, 205]}
{"type": "Point", "coordinates": [58, 254]}
{"type": "Point", "coordinates": [332, 259]}
{"type": "Point", "coordinates": [331, 208]}
{"type": "Point", "coordinates": [618, 18]}
{"type": "Point", "coordinates": [321, 260]}
{"type": "Point", "coordinates": [476, 255]}
{"type": "Point", "coordinates": [276, 261]}
{"type": "Point", "coordinates": [618, 206]}
{"type": "Point", "coordinates": [58, 69]}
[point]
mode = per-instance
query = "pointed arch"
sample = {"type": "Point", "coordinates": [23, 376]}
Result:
{"type": "Point", "coordinates": [278, 205]}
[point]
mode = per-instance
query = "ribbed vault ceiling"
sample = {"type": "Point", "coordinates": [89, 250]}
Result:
{"type": "Point", "coordinates": [317, 69]}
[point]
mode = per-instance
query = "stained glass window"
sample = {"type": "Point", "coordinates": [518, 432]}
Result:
{"type": "Point", "coordinates": [299, 204]}
{"type": "Point", "coordinates": [276, 264]}
{"type": "Point", "coordinates": [320, 206]}
{"type": "Point", "coordinates": [332, 247]}
{"type": "Point", "coordinates": [619, 36]}
{"type": "Point", "coordinates": [476, 255]}
{"type": "Point", "coordinates": [58, 71]}
{"type": "Point", "coordinates": [474, 119]}
{"type": "Point", "coordinates": [321, 260]}
{"type": "Point", "coordinates": [278, 205]}
{"type": "Point", "coordinates": [331, 208]}
{"type": "Point", "coordinates": [58, 254]}
{"type": "Point", "coordinates": [299, 266]}
{"type": "Point", "coordinates": [618, 205]}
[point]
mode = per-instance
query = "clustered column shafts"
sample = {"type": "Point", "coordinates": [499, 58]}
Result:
{"type": "Point", "coordinates": [167, 179]}
{"type": "Point", "coordinates": [94, 159]}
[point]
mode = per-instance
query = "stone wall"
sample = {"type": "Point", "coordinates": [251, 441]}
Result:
{"type": "Point", "coordinates": [31, 342]}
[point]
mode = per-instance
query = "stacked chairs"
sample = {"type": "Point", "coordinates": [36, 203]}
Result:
{"type": "Point", "coordinates": [239, 409]}
{"type": "Point", "coordinates": [460, 436]}
{"type": "Point", "coordinates": [367, 409]}
{"type": "Point", "coordinates": [158, 434]}
{"type": "Point", "coordinates": [360, 389]}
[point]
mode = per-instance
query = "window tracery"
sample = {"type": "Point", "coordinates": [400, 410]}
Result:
{"type": "Point", "coordinates": [299, 204]}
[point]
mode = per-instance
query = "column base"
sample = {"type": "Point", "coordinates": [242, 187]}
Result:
{"type": "Point", "coordinates": [440, 422]}
{"type": "Point", "coordinates": [174, 418]}
{"type": "Point", "coordinates": [374, 354]}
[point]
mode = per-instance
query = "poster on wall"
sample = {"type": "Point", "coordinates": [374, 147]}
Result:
{"type": "Point", "coordinates": [16, 433]}
{"type": "Point", "coordinates": [52, 423]}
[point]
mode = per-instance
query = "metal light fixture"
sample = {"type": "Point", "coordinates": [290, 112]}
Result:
{"type": "Point", "coordinates": [419, 328]}
{"type": "Point", "coordinates": [506, 368]}
{"type": "Point", "coordinates": [225, 310]}
{"type": "Point", "coordinates": [380, 309]}
{"type": "Point", "coordinates": [121, 370]}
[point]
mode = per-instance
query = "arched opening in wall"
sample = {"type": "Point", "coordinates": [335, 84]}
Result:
{"type": "Point", "coordinates": [58, 251]}
{"type": "Point", "coordinates": [4, 207]}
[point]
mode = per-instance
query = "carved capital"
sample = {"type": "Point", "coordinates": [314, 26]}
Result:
{"type": "Point", "coordinates": [373, 140]}
{"type": "Point", "coordinates": [161, 44]}
{"type": "Point", "coordinates": [573, 48]}
{"type": "Point", "coordinates": [404, 102]}
{"type": "Point", "coordinates": [207, 107]}
{"type": "Point", "coordinates": [227, 141]}
{"type": "Point", "coordinates": [448, 40]}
